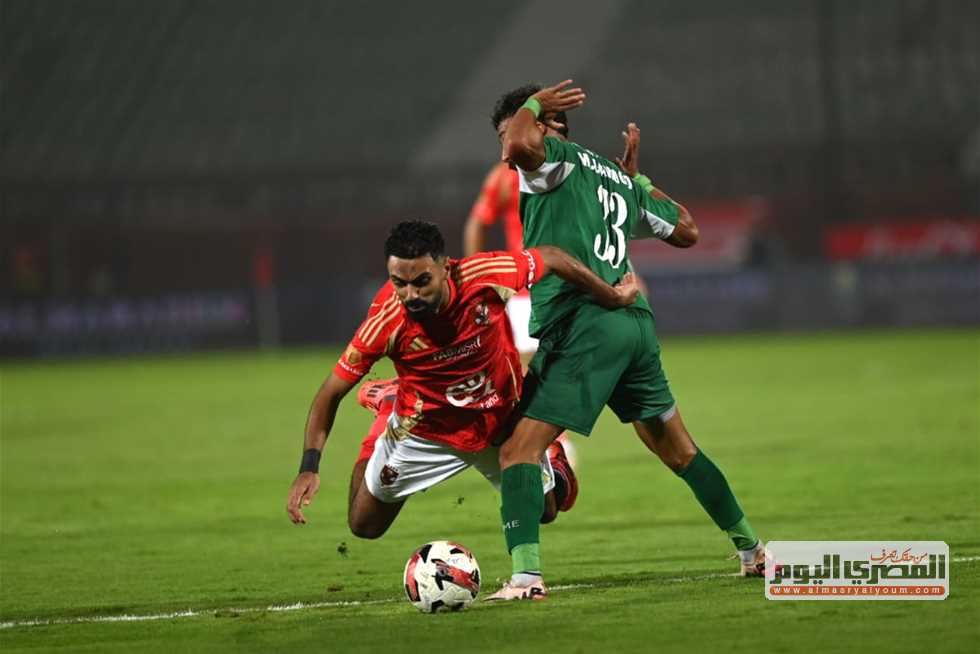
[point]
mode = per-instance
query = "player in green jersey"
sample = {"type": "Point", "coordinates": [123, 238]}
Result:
{"type": "Point", "coordinates": [589, 357]}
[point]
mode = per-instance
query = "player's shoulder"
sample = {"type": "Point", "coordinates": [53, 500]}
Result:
{"type": "Point", "coordinates": [483, 261]}
{"type": "Point", "coordinates": [385, 314]}
{"type": "Point", "coordinates": [484, 264]}
{"type": "Point", "coordinates": [384, 294]}
{"type": "Point", "coordinates": [554, 144]}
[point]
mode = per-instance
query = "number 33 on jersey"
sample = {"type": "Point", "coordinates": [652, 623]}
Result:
{"type": "Point", "coordinates": [582, 203]}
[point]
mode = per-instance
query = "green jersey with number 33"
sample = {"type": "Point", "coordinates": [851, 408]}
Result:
{"type": "Point", "coordinates": [582, 203]}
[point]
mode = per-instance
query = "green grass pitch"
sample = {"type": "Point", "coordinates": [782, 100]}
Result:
{"type": "Point", "coordinates": [153, 485]}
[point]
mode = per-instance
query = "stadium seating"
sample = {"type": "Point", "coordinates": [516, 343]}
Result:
{"type": "Point", "coordinates": [109, 88]}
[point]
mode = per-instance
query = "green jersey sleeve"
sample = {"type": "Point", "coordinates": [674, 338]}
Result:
{"type": "Point", "coordinates": [657, 218]}
{"type": "Point", "coordinates": [559, 162]}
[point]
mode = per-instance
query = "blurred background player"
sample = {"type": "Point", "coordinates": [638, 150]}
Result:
{"type": "Point", "coordinates": [441, 323]}
{"type": "Point", "coordinates": [499, 200]}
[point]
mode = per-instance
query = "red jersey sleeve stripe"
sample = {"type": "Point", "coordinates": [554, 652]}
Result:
{"type": "Point", "coordinates": [373, 321]}
{"type": "Point", "coordinates": [482, 269]}
{"type": "Point", "coordinates": [484, 259]}
{"type": "Point", "coordinates": [380, 327]}
{"type": "Point", "coordinates": [488, 263]}
{"type": "Point", "coordinates": [489, 271]}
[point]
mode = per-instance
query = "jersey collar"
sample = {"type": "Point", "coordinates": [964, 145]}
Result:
{"type": "Point", "coordinates": [453, 291]}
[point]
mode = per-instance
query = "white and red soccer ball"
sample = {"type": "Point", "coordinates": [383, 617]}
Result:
{"type": "Point", "coordinates": [442, 576]}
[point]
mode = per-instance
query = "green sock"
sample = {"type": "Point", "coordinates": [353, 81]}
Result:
{"type": "Point", "coordinates": [712, 490]}
{"type": "Point", "coordinates": [743, 535]}
{"type": "Point", "coordinates": [526, 558]}
{"type": "Point", "coordinates": [522, 504]}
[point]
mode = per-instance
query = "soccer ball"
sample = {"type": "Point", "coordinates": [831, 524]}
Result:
{"type": "Point", "coordinates": [442, 576]}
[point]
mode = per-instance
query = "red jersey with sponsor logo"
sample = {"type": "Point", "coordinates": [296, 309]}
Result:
{"type": "Point", "coordinates": [459, 372]}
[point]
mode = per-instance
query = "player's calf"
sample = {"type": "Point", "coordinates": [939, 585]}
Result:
{"type": "Point", "coordinates": [669, 439]}
{"type": "Point", "coordinates": [566, 483]}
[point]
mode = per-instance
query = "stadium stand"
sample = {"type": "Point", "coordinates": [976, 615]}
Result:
{"type": "Point", "coordinates": [155, 148]}
{"type": "Point", "coordinates": [108, 88]}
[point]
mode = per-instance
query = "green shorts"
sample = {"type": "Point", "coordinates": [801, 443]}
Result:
{"type": "Point", "coordinates": [592, 358]}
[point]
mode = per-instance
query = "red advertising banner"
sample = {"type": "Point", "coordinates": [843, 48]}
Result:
{"type": "Point", "coordinates": [925, 238]}
{"type": "Point", "coordinates": [726, 229]}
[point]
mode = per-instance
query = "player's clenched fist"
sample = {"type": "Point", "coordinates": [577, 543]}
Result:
{"type": "Point", "coordinates": [628, 289]}
{"type": "Point", "coordinates": [301, 494]}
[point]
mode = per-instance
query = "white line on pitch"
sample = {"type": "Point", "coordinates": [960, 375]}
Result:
{"type": "Point", "coordinates": [300, 606]}
{"type": "Point", "coordinates": [275, 608]}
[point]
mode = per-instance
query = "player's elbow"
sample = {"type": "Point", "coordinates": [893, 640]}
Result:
{"type": "Point", "coordinates": [550, 256]}
{"type": "Point", "coordinates": [686, 233]}
{"type": "Point", "coordinates": [523, 153]}
{"type": "Point", "coordinates": [691, 236]}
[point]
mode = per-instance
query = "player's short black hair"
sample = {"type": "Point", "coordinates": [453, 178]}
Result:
{"type": "Point", "coordinates": [510, 102]}
{"type": "Point", "coordinates": [411, 239]}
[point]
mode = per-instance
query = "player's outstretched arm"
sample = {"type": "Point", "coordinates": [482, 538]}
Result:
{"type": "Point", "coordinates": [524, 139]}
{"type": "Point", "coordinates": [319, 422]}
{"type": "Point", "coordinates": [575, 272]}
{"type": "Point", "coordinates": [484, 212]}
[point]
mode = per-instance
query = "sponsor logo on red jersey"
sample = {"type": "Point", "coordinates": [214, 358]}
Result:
{"type": "Point", "coordinates": [458, 352]}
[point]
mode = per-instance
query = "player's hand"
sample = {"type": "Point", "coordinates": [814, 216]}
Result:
{"type": "Point", "coordinates": [558, 98]}
{"type": "Point", "coordinates": [301, 494]}
{"type": "Point", "coordinates": [629, 163]}
{"type": "Point", "coordinates": [627, 290]}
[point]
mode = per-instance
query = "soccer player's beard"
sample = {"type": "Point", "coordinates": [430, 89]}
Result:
{"type": "Point", "coordinates": [419, 309]}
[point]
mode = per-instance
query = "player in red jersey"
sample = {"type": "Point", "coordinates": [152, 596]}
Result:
{"type": "Point", "coordinates": [499, 200]}
{"type": "Point", "coordinates": [441, 322]}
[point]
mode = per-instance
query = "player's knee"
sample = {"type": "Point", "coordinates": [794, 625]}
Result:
{"type": "Point", "coordinates": [677, 459]}
{"type": "Point", "coordinates": [508, 453]}
{"type": "Point", "coordinates": [518, 450]}
{"type": "Point", "coordinates": [365, 529]}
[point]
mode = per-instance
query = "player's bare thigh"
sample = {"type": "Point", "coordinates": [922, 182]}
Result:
{"type": "Point", "coordinates": [668, 439]}
{"type": "Point", "coordinates": [367, 516]}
